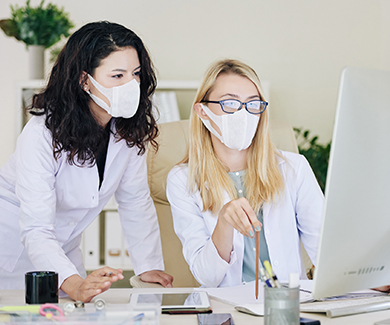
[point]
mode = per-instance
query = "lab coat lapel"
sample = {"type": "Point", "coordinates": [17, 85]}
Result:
{"type": "Point", "coordinates": [114, 147]}
{"type": "Point", "coordinates": [267, 206]}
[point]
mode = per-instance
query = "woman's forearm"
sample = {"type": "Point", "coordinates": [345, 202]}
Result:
{"type": "Point", "coordinates": [222, 238]}
{"type": "Point", "coordinates": [71, 286]}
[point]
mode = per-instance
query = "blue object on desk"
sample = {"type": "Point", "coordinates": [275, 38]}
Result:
{"type": "Point", "coordinates": [309, 321]}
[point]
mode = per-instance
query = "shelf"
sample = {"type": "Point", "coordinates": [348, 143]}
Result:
{"type": "Point", "coordinates": [26, 88]}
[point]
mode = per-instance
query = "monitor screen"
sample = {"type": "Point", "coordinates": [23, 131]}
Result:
{"type": "Point", "coordinates": [354, 248]}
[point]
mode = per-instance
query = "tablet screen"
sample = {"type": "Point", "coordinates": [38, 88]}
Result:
{"type": "Point", "coordinates": [170, 299]}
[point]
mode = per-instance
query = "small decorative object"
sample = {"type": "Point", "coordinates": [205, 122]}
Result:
{"type": "Point", "coordinates": [39, 28]}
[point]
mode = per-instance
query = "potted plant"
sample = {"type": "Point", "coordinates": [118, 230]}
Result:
{"type": "Point", "coordinates": [39, 28]}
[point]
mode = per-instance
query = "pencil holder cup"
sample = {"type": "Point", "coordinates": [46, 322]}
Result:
{"type": "Point", "coordinates": [41, 287]}
{"type": "Point", "coordinates": [281, 306]}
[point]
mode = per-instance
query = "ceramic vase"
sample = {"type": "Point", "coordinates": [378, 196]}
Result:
{"type": "Point", "coordinates": [36, 61]}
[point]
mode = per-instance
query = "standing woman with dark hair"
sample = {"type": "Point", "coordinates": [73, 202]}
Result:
{"type": "Point", "coordinates": [85, 143]}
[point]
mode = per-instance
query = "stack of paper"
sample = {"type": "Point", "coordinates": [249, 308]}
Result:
{"type": "Point", "coordinates": [243, 299]}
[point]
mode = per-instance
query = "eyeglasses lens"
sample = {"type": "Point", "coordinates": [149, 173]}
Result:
{"type": "Point", "coordinates": [253, 106]}
{"type": "Point", "coordinates": [231, 106]}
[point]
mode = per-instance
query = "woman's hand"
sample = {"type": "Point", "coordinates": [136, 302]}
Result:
{"type": "Point", "coordinates": [236, 214]}
{"type": "Point", "coordinates": [240, 215]}
{"type": "Point", "coordinates": [156, 276]}
{"type": "Point", "coordinates": [383, 288]}
{"type": "Point", "coordinates": [97, 282]}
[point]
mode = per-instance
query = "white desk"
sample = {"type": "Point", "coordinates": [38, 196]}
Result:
{"type": "Point", "coordinates": [121, 296]}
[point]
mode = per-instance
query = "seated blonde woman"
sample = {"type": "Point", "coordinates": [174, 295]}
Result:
{"type": "Point", "coordinates": [233, 182]}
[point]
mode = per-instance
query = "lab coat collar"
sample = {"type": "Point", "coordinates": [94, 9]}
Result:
{"type": "Point", "coordinates": [279, 159]}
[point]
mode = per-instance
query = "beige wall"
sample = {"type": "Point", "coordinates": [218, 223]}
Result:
{"type": "Point", "coordinates": [299, 46]}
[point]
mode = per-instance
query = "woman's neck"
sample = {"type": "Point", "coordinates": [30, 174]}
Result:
{"type": "Point", "coordinates": [234, 160]}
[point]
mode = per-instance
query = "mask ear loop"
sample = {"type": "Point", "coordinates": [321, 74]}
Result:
{"type": "Point", "coordinates": [207, 123]}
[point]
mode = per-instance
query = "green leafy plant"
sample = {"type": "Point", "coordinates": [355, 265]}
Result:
{"type": "Point", "coordinates": [37, 25]}
{"type": "Point", "coordinates": [316, 154]}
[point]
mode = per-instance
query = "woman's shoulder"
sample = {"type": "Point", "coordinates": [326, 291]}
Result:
{"type": "Point", "coordinates": [292, 160]}
{"type": "Point", "coordinates": [35, 128]}
{"type": "Point", "coordinates": [288, 156]}
{"type": "Point", "coordinates": [179, 171]}
{"type": "Point", "coordinates": [35, 141]}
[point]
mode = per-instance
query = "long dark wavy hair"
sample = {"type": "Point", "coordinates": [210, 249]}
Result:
{"type": "Point", "coordinates": [65, 104]}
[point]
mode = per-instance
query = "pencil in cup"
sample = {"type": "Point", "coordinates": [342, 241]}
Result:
{"type": "Point", "coordinates": [271, 273]}
{"type": "Point", "coordinates": [268, 281]}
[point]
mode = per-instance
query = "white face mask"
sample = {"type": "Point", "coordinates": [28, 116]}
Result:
{"type": "Point", "coordinates": [237, 129]}
{"type": "Point", "coordinates": [124, 99]}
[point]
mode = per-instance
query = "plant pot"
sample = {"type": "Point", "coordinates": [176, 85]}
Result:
{"type": "Point", "coordinates": [36, 61]}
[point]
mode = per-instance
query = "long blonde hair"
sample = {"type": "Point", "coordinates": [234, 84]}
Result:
{"type": "Point", "coordinates": [206, 172]}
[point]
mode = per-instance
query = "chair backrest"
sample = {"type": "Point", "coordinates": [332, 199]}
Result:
{"type": "Point", "coordinates": [173, 141]}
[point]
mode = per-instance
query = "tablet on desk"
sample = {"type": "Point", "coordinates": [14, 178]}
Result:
{"type": "Point", "coordinates": [175, 303]}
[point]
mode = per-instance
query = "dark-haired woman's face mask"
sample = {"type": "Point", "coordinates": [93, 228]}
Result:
{"type": "Point", "coordinates": [124, 99]}
{"type": "Point", "coordinates": [115, 84]}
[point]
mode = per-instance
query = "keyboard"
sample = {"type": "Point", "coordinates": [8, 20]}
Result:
{"type": "Point", "coordinates": [344, 307]}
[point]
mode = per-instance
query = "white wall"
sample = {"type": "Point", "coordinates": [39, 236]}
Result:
{"type": "Point", "coordinates": [299, 46]}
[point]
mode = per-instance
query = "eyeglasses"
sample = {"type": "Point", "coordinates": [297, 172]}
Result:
{"type": "Point", "coordinates": [231, 106]}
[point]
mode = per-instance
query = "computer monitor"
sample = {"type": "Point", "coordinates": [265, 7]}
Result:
{"type": "Point", "coordinates": [354, 247]}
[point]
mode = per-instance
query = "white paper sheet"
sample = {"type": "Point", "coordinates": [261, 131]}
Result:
{"type": "Point", "coordinates": [243, 298]}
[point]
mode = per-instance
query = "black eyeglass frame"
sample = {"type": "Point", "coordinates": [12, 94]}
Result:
{"type": "Point", "coordinates": [220, 102]}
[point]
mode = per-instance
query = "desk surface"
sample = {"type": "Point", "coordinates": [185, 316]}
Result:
{"type": "Point", "coordinates": [121, 296]}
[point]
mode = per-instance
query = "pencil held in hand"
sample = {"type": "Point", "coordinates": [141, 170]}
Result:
{"type": "Point", "coordinates": [257, 265]}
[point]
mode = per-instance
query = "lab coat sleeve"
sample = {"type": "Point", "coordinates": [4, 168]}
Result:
{"type": "Point", "coordinates": [138, 217]}
{"type": "Point", "coordinates": [309, 207]}
{"type": "Point", "coordinates": [35, 187]}
{"type": "Point", "coordinates": [199, 251]}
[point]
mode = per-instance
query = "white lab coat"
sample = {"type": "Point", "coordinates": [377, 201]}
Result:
{"type": "Point", "coordinates": [46, 204]}
{"type": "Point", "coordinates": [297, 214]}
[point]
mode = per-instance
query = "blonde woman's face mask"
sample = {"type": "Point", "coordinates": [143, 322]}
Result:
{"type": "Point", "coordinates": [238, 129]}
